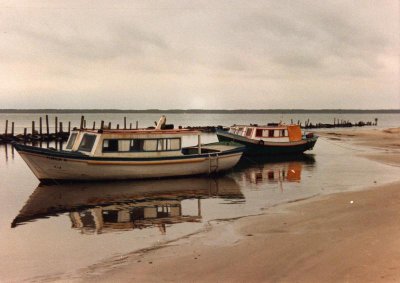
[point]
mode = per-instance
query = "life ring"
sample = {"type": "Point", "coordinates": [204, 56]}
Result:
{"type": "Point", "coordinates": [261, 142]}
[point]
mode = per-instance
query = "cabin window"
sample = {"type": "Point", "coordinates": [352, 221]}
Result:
{"type": "Point", "coordinates": [71, 141]}
{"type": "Point", "coordinates": [150, 145]}
{"type": "Point", "coordinates": [169, 144]}
{"type": "Point", "coordinates": [259, 133]}
{"type": "Point", "coordinates": [283, 133]}
{"type": "Point", "coordinates": [249, 132]}
{"type": "Point", "coordinates": [270, 133]}
{"type": "Point", "coordinates": [110, 145]}
{"type": "Point", "coordinates": [175, 144]}
{"type": "Point", "coordinates": [87, 142]}
{"type": "Point", "coordinates": [162, 144]}
{"type": "Point", "coordinates": [124, 145]}
{"type": "Point", "coordinates": [136, 145]}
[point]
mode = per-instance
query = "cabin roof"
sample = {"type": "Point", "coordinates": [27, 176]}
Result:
{"type": "Point", "coordinates": [143, 131]}
{"type": "Point", "coordinates": [275, 127]}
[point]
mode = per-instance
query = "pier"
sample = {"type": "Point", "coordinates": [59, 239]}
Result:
{"type": "Point", "coordinates": [41, 132]}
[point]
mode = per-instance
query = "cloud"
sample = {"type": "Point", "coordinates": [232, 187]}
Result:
{"type": "Point", "coordinates": [212, 52]}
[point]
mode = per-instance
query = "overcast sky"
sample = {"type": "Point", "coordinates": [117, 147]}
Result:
{"type": "Point", "coordinates": [199, 54]}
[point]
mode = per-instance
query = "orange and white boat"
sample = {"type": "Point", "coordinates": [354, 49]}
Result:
{"type": "Point", "coordinates": [271, 139]}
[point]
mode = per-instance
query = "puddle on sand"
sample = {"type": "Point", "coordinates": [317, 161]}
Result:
{"type": "Point", "coordinates": [66, 227]}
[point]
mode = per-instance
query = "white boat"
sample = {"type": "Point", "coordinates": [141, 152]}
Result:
{"type": "Point", "coordinates": [129, 154]}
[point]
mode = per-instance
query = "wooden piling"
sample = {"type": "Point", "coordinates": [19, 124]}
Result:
{"type": "Point", "coordinates": [56, 126]}
{"type": "Point", "coordinates": [33, 128]}
{"type": "Point", "coordinates": [109, 125]}
{"type": "Point", "coordinates": [12, 129]}
{"type": "Point", "coordinates": [137, 125]}
{"type": "Point", "coordinates": [47, 125]}
{"type": "Point", "coordinates": [130, 126]}
{"type": "Point", "coordinates": [94, 125]}
{"type": "Point", "coordinates": [40, 127]}
{"type": "Point", "coordinates": [117, 126]}
{"type": "Point", "coordinates": [61, 127]}
{"type": "Point", "coordinates": [69, 127]}
{"type": "Point", "coordinates": [82, 120]}
{"type": "Point", "coordinates": [6, 131]}
{"type": "Point", "coordinates": [102, 125]}
{"type": "Point", "coordinates": [25, 130]}
{"type": "Point", "coordinates": [124, 123]}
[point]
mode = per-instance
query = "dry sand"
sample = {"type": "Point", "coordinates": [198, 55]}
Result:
{"type": "Point", "coordinates": [347, 237]}
{"type": "Point", "coordinates": [387, 142]}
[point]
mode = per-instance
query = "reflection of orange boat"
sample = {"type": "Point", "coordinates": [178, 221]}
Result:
{"type": "Point", "coordinates": [105, 207]}
{"type": "Point", "coordinates": [286, 172]}
{"type": "Point", "coordinates": [261, 171]}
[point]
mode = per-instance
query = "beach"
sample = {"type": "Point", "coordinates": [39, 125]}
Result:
{"type": "Point", "coordinates": [342, 237]}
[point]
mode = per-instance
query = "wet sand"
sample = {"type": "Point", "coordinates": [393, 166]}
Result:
{"type": "Point", "coordinates": [346, 237]}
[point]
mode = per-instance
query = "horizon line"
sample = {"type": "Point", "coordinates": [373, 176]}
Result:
{"type": "Point", "coordinates": [195, 110]}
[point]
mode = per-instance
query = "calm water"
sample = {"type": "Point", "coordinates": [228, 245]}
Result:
{"type": "Point", "coordinates": [56, 231]}
{"type": "Point", "coordinates": [25, 120]}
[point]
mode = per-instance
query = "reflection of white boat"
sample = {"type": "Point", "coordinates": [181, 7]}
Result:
{"type": "Point", "coordinates": [129, 154]}
{"type": "Point", "coordinates": [103, 207]}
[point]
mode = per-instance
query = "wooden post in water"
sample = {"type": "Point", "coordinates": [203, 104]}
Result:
{"type": "Point", "coordinates": [61, 127]}
{"type": "Point", "coordinates": [33, 128]}
{"type": "Point", "coordinates": [102, 125]}
{"type": "Point", "coordinates": [69, 127]}
{"type": "Point", "coordinates": [124, 123]}
{"type": "Point", "coordinates": [137, 125]}
{"type": "Point", "coordinates": [109, 125]}
{"type": "Point", "coordinates": [40, 127]}
{"type": "Point", "coordinates": [117, 126]}
{"type": "Point", "coordinates": [56, 125]}
{"type": "Point", "coordinates": [6, 131]}
{"type": "Point", "coordinates": [94, 125]}
{"type": "Point", "coordinates": [12, 129]}
{"type": "Point", "coordinates": [25, 134]}
{"type": "Point", "coordinates": [130, 126]}
{"type": "Point", "coordinates": [82, 119]}
{"type": "Point", "coordinates": [47, 126]}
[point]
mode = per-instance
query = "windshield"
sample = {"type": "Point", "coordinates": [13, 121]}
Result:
{"type": "Point", "coordinates": [87, 143]}
{"type": "Point", "coordinates": [71, 141]}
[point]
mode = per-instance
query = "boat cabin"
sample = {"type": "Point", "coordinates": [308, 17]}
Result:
{"type": "Point", "coordinates": [271, 132]}
{"type": "Point", "coordinates": [129, 143]}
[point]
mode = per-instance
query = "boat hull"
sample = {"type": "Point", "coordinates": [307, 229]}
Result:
{"type": "Point", "coordinates": [52, 165]}
{"type": "Point", "coordinates": [253, 147]}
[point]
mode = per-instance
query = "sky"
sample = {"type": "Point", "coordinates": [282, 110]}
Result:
{"type": "Point", "coordinates": [187, 54]}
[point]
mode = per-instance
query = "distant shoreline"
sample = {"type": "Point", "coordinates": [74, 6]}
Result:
{"type": "Point", "coordinates": [211, 111]}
